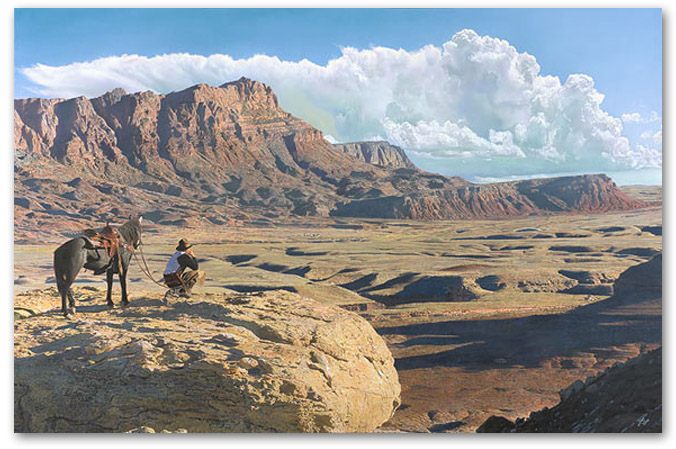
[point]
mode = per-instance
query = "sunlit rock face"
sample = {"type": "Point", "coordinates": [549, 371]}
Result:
{"type": "Point", "coordinates": [269, 362]}
{"type": "Point", "coordinates": [216, 154]}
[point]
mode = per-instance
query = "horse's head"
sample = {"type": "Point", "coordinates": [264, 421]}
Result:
{"type": "Point", "coordinates": [131, 231]}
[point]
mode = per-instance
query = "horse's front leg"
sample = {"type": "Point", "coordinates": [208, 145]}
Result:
{"type": "Point", "coordinates": [123, 285]}
{"type": "Point", "coordinates": [109, 294]}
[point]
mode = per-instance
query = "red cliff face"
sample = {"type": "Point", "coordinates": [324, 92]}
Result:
{"type": "Point", "coordinates": [69, 131]}
{"type": "Point", "coordinates": [377, 153]}
{"type": "Point", "coordinates": [585, 193]}
{"type": "Point", "coordinates": [226, 151]}
{"type": "Point", "coordinates": [576, 194]}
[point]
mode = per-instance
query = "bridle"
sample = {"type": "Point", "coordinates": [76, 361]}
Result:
{"type": "Point", "coordinates": [114, 241]}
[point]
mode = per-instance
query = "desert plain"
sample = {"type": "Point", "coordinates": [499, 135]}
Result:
{"type": "Point", "coordinates": [482, 316]}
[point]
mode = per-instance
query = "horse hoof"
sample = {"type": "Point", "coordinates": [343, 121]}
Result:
{"type": "Point", "coordinates": [111, 305]}
{"type": "Point", "coordinates": [125, 304]}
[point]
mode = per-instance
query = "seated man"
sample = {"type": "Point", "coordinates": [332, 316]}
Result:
{"type": "Point", "coordinates": [176, 275]}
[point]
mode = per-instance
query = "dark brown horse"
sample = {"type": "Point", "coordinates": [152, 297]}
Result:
{"type": "Point", "coordinates": [82, 252]}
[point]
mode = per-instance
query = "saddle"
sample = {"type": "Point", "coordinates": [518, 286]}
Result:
{"type": "Point", "coordinates": [109, 239]}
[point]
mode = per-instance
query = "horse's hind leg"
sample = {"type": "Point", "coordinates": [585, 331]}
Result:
{"type": "Point", "coordinates": [109, 294]}
{"type": "Point", "coordinates": [123, 284]}
{"type": "Point", "coordinates": [71, 302]}
{"type": "Point", "coordinates": [62, 285]}
{"type": "Point", "coordinates": [64, 293]}
{"type": "Point", "coordinates": [67, 301]}
{"type": "Point", "coordinates": [68, 260]}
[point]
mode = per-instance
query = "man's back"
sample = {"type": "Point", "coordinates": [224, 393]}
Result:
{"type": "Point", "coordinates": [179, 261]}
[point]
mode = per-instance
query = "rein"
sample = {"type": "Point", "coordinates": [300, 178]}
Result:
{"type": "Point", "coordinates": [112, 245]}
{"type": "Point", "coordinates": [144, 268]}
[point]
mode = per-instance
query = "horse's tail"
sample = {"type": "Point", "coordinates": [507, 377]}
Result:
{"type": "Point", "coordinates": [59, 273]}
{"type": "Point", "coordinates": [68, 259]}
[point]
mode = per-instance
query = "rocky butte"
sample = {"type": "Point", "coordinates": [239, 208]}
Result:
{"type": "Point", "coordinates": [213, 154]}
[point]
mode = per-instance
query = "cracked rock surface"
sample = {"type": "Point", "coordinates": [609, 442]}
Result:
{"type": "Point", "coordinates": [264, 362]}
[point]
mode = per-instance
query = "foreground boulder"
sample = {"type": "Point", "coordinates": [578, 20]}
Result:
{"type": "Point", "coordinates": [265, 362]}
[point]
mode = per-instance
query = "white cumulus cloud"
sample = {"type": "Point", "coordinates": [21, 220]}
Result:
{"type": "Point", "coordinates": [450, 139]}
{"type": "Point", "coordinates": [475, 99]}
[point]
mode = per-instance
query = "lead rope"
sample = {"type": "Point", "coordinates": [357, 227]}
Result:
{"type": "Point", "coordinates": [144, 267]}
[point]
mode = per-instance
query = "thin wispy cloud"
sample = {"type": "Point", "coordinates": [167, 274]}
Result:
{"type": "Point", "coordinates": [475, 99]}
{"type": "Point", "coordinates": [654, 136]}
{"type": "Point", "coordinates": [635, 117]}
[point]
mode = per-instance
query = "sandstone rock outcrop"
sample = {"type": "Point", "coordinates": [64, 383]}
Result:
{"type": "Point", "coordinates": [572, 194]}
{"type": "Point", "coordinates": [231, 152]}
{"type": "Point", "coordinates": [641, 282]}
{"type": "Point", "coordinates": [626, 398]}
{"type": "Point", "coordinates": [269, 362]}
{"type": "Point", "coordinates": [377, 153]}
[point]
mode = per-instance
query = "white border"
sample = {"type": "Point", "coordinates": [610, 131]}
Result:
{"type": "Point", "coordinates": [293, 441]}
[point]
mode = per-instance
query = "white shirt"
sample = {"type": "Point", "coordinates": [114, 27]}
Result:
{"type": "Point", "coordinates": [173, 266]}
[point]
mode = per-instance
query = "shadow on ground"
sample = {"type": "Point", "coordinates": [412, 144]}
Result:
{"type": "Point", "coordinates": [528, 341]}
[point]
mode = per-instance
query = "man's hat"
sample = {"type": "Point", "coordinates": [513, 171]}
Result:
{"type": "Point", "coordinates": [183, 244]}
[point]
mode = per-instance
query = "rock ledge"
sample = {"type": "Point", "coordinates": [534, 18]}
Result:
{"type": "Point", "coordinates": [267, 362]}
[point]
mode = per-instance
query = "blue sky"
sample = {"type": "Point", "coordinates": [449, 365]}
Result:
{"type": "Point", "coordinates": [619, 49]}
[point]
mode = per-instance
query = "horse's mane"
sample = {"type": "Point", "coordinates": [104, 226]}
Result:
{"type": "Point", "coordinates": [131, 231]}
